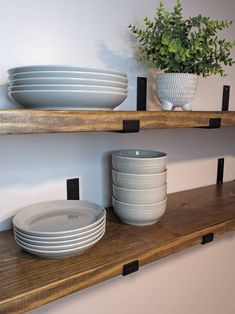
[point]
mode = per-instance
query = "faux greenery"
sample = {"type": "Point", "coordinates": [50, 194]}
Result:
{"type": "Point", "coordinates": [174, 44]}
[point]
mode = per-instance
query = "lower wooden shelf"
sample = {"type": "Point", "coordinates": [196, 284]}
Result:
{"type": "Point", "coordinates": [28, 281]}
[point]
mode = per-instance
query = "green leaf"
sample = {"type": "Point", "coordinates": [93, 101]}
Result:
{"type": "Point", "coordinates": [166, 39]}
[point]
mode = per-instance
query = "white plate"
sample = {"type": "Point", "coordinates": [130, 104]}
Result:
{"type": "Point", "coordinates": [60, 246]}
{"type": "Point", "coordinates": [69, 81]}
{"type": "Point", "coordinates": [69, 237]}
{"type": "Point", "coordinates": [60, 253]}
{"type": "Point", "coordinates": [67, 87]}
{"type": "Point", "coordinates": [52, 75]}
{"type": "Point", "coordinates": [61, 240]}
{"type": "Point", "coordinates": [32, 68]}
{"type": "Point", "coordinates": [82, 100]}
{"type": "Point", "coordinates": [57, 218]}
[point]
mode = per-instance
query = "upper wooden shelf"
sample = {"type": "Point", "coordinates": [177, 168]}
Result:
{"type": "Point", "coordinates": [22, 121]}
{"type": "Point", "coordinates": [28, 281]}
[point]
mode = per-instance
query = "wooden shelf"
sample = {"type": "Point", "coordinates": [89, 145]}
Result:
{"type": "Point", "coordinates": [23, 121]}
{"type": "Point", "coordinates": [28, 281]}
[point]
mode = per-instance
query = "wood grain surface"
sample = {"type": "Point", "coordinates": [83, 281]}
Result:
{"type": "Point", "coordinates": [228, 118]}
{"type": "Point", "coordinates": [26, 121]}
{"type": "Point", "coordinates": [27, 281]}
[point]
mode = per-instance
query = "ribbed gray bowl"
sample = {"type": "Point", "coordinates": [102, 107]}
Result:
{"type": "Point", "coordinates": [136, 161]}
{"type": "Point", "coordinates": [139, 215]}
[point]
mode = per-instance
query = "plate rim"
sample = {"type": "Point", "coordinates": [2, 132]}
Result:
{"type": "Point", "coordinates": [70, 68]}
{"type": "Point", "coordinates": [65, 251]}
{"type": "Point", "coordinates": [70, 91]}
{"type": "Point", "coordinates": [58, 246]}
{"type": "Point", "coordinates": [64, 238]}
{"type": "Point", "coordinates": [101, 214]}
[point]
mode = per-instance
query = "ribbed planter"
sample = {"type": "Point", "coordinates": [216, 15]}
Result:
{"type": "Point", "coordinates": [176, 90]}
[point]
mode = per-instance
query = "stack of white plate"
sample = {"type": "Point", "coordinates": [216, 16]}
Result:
{"type": "Point", "coordinates": [67, 87]}
{"type": "Point", "coordinates": [57, 229]}
{"type": "Point", "coordinates": [139, 186]}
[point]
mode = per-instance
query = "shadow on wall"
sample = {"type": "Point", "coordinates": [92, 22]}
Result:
{"type": "Point", "coordinates": [106, 178]}
{"type": "Point", "coordinates": [33, 159]}
{"type": "Point", "coordinates": [125, 62]}
{"type": "Point", "coordinates": [122, 61]}
{"type": "Point", "coordinates": [128, 64]}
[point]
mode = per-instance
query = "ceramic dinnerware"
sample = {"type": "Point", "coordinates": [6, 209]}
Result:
{"type": "Point", "coordinates": [61, 253]}
{"type": "Point", "coordinates": [58, 218]}
{"type": "Point", "coordinates": [140, 197]}
{"type": "Point", "coordinates": [68, 100]}
{"type": "Point", "coordinates": [139, 161]}
{"type": "Point", "coordinates": [35, 77]}
{"type": "Point", "coordinates": [140, 215]}
{"type": "Point", "coordinates": [51, 68]}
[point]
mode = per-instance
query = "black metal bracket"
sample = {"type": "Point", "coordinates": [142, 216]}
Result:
{"type": "Point", "coordinates": [141, 93]}
{"type": "Point", "coordinates": [225, 98]}
{"type": "Point", "coordinates": [130, 268]}
{"type": "Point", "coordinates": [214, 123]}
{"type": "Point", "coordinates": [220, 170]}
{"type": "Point", "coordinates": [73, 189]}
{"type": "Point", "coordinates": [131, 126]}
{"type": "Point", "coordinates": [207, 238]}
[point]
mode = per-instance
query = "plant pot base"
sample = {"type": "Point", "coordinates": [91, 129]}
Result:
{"type": "Point", "coordinates": [168, 106]}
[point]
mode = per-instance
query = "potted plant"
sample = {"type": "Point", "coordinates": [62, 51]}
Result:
{"type": "Point", "coordinates": [183, 49]}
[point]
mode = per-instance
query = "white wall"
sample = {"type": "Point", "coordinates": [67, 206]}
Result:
{"type": "Point", "coordinates": [34, 167]}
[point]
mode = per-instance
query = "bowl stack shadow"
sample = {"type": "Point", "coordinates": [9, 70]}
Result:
{"type": "Point", "coordinates": [139, 186]}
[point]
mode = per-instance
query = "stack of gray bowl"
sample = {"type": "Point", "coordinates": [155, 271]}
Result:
{"type": "Point", "coordinates": [139, 186]}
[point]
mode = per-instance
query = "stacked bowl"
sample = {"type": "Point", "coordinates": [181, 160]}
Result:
{"type": "Point", "coordinates": [67, 87]}
{"type": "Point", "coordinates": [139, 186]}
{"type": "Point", "coordinates": [57, 229]}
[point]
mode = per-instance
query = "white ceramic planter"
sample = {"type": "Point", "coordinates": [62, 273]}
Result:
{"type": "Point", "coordinates": [176, 90]}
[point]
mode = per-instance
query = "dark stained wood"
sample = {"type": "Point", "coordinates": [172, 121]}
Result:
{"type": "Point", "coordinates": [28, 281]}
{"type": "Point", "coordinates": [25, 121]}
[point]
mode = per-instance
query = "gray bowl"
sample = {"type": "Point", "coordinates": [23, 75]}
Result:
{"type": "Point", "coordinates": [139, 215]}
{"type": "Point", "coordinates": [139, 161]}
{"type": "Point", "coordinates": [139, 197]}
{"type": "Point", "coordinates": [139, 181]}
